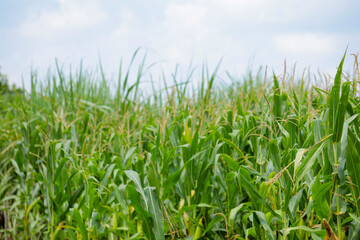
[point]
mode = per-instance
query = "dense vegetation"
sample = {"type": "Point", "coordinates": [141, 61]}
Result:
{"type": "Point", "coordinates": [4, 85]}
{"type": "Point", "coordinates": [267, 157]}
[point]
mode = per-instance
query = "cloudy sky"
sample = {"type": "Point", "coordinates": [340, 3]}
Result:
{"type": "Point", "coordinates": [243, 32]}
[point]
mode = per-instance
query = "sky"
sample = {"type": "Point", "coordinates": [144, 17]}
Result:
{"type": "Point", "coordinates": [246, 34]}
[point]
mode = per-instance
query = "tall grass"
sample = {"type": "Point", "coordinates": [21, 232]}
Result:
{"type": "Point", "coordinates": [263, 158]}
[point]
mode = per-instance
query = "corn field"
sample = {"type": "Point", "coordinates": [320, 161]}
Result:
{"type": "Point", "coordinates": [267, 157]}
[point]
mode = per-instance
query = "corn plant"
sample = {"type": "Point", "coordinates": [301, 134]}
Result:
{"type": "Point", "coordinates": [265, 157]}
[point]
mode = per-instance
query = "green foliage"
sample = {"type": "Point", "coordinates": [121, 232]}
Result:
{"type": "Point", "coordinates": [258, 159]}
{"type": "Point", "coordinates": [4, 85]}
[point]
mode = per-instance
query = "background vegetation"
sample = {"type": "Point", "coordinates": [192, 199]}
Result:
{"type": "Point", "coordinates": [267, 157]}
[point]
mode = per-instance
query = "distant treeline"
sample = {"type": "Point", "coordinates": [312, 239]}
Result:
{"type": "Point", "coordinates": [4, 85]}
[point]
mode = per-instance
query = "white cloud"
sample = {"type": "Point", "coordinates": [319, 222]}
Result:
{"type": "Point", "coordinates": [180, 31]}
{"type": "Point", "coordinates": [185, 15]}
{"type": "Point", "coordinates": [266, 11]}
{"type": "Point", "coordinates": [70, 15]}
{"type": "Point", "coordinates": [306, 44]}
{"type": "Point", "coordinates": [189, 30]}
{"type": "Point", "coordinates": [268, 30]}
{"type": "Point", "coordinates": [183, 29]}
{"type": "Point", "coordinates": [125, 32]}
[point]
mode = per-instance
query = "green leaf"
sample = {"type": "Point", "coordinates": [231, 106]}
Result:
{"type": "Point", "coordinates": [268, 231]}
{"type": "Point", "coordinates": [230, 161]}
{"type": "Point", "coordinates": [353, 167]}
{"type": "Point", "coordinates": [277, 99]}
{"type": "Point", "coordinates": [354, 231]}
{"type": "Point", "coordinates": [253, 193]}
{"type": "Point", "coordinates": [232, 215]}
{"type": "Point", "coordinates": [318, 232]}
{"type": "Point", "coordinates": [72, 201]}
{"type": "Point", "coordinates": [136, 201]}
{"type": "Point", "coordinates": [155, 212]}
{"type": "Point", "coordinates": [144, 214]}
{"type": "Point", "coordinates": [343, 153]}
{"type": "Point", "coordinates": [237, 149]}
{"type": "Point", "coordinates": [334, 96]}
{"type": "Point", "coordinates": [134, 176]}
{"type": "Point", "coordinates": [275, 155]}
{"type": "Point", "coordinates": [59, 168]}
{"type": "Point", "coordinates": [340, 114]}
{"type": "Point", "coordinates": [299, 155]}
{"type": "Point", "coordinates": [294, 203]}
{"type": "Point", "coordinates": [321, 205]}
{"type": "Point", "coordinates": [309, 160]}
{"type": "Point", "coordinates": [80, 223]}
{"type": "Point", "coordinates": [216, 219]}
{"type": "Point", "coordinates": [106, 177]}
